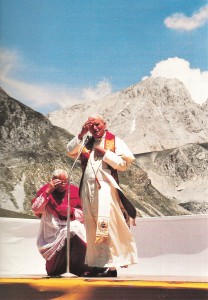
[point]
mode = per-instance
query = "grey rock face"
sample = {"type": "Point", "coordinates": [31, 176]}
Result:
{"type": "Point", "coordinates": [154, 115]}
{"type": "Point", "coordinates": [31, 148]}
{"type": "Point", "coordinates": [196, 207]}
{"type": "Point", "coordinates": [164, 126]}
{"type": "Point", "coordinates": [181, 174]}
{"type": "Point", "coordinates": [146, 198]}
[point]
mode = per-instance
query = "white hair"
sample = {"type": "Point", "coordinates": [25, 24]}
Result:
{"type": "Point", "coordinates": [59, 172]}
{"type": "Point", "coordinates": [97, 116]}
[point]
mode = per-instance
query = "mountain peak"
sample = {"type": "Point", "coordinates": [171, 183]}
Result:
{"type": "Point", "coordinates": [155, 114]}
{"type": "Point", "coordinates": [160, 90]}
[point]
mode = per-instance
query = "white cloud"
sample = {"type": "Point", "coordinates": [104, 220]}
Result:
{"type": "Point", "coordinates": [39, 96]}
{"type": "Point", "coordinates": [179, 21]}
{"type": "Point", "coordinates": [102, 89]}
{"type": "Point", "coordinates": [195, 80]}
{"type": "Point", "coordinates": [9, 60]}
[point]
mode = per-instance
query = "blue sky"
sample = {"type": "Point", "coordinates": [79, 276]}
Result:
{"type": "Point", "coordinates": [55, 53]}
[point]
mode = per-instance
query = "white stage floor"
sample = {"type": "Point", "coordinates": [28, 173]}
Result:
{"type": "Point", "coordinates": [169, 249]}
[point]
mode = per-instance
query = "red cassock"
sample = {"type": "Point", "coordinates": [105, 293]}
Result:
{"type": "Point", "coordinates": [51, 241]}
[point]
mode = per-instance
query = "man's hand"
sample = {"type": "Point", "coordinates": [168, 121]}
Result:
{"type": "Point", "coordinates": [100, 151]}
{"type": "Point", "coordinates": [85, 129]}
{"type": "Point", "coordinates": [53, 184]}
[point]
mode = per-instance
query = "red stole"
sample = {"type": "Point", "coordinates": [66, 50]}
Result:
{"type": "Point", "coordinates": [109, 144]}
{"type": "Point", "coordinates": [127, 208]}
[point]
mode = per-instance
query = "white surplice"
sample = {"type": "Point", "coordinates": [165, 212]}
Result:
{"type": "Point", "coordinates": [119, 248]}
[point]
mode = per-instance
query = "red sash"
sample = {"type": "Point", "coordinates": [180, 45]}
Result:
{"type": "Point", "coordinates": [109, 144]}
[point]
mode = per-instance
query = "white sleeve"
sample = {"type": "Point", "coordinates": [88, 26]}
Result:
{"type": "Point", "coordinates": [122, 157]}
{"type": "Point", "coordinates": [73, 147]}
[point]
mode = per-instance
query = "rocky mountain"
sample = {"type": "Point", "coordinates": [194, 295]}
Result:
{"type": "Point", "coordinates": [166, 130]}
{"type": "Point", "coordinates": [153, 115]}
{"type": "Point", "coordinates": [146, 198]}
{"type": "Point", "coordinates": [205, 107]}
{"type": "Point", "coordinates": [31, 148]}
{"type": "Point", "coordinates": [181, 174]}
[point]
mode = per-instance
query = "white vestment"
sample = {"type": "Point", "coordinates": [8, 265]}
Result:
{"type": "Point", "coordinates": [53, 231]}
{"type": "Point", "coordinates": [119, 249]}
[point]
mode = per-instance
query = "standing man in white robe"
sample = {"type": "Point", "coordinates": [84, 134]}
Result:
{"type": "Point", "coordinates": [110, 243]}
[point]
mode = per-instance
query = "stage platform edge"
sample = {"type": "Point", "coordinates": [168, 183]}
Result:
{"type": "Point", "coordinates": [45, 288]}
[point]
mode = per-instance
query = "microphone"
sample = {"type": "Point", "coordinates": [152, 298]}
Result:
{"type": "Point", "coordinates": [86, 140]}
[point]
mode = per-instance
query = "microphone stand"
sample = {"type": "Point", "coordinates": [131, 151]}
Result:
{"type": "Point", "coordinates": [68, 274]}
